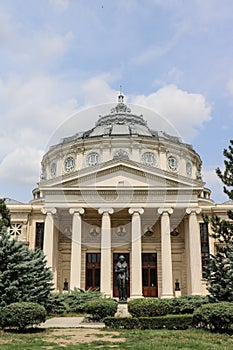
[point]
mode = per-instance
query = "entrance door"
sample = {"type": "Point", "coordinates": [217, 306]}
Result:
{"type": "Point", "coordinates": [93, 271]}
{"type": "Point", "coordinates": [115, 260]}
{"type": "Point", "coordinates": [149, 275]}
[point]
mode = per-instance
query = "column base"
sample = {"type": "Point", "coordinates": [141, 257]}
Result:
{"type": "Point", "coordinates": [167, 296]}
{"type": "Point", "coordinates": [136, 296]}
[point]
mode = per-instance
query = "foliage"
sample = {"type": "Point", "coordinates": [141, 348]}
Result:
{"type": "Point", "coordinates": [226, 175]}
{"type": "Point", "coordinates": [186, 304]}
{"type": "Point", "coordinates": [5, 219]}
{"type": "Point", "coordinates": [24, 275]}
{"type": "Point", "coordinates": [159, 322]}
{"type": "Point", "coordinates": [217, 317]}
{"type": "Point", "coordinates": [77, 298]}
{"type": "Point", "coordinates": [219, 269]}
{"type": "Point", "coordinates": [21, 315]}
{"type": "Point", "coordinates": [72, 302]}
{"type": "Point", "coordinates": [101, 308]}
{"type": "Point", "coordinates": [149, 307]}
{"type": "Point", "coordinates": [56, 304]}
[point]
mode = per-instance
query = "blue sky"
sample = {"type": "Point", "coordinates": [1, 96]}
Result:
{"type": "Point", "coordinates": [62, 56]}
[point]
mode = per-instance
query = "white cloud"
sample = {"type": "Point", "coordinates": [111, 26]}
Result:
{"type": "Point", "coordinates": [21, 166]}
{"type": "Point", "coordinates": [185, 111]}
{"type": "Point", "coordinates": [214, 184]}
{"type": "Point", "coordinates": [97, 91]}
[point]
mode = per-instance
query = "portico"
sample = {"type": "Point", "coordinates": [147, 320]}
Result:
{"type": "Point", "coordinates": [95, 237]}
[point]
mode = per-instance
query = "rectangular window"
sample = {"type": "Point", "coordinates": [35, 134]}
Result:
{"type": "Point", "coordinates": [204, 233]}
{"type": "Point", "coordinates": [39, 235]}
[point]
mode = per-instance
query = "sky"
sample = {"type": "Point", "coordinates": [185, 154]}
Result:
{"type": "Point", "coordinates": [61, 57]}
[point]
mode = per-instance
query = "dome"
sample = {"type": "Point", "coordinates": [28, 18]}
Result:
{"type": "Point", "coordinates": [118, 136]}
{"type": "Point", "coordinates": [122, 122]}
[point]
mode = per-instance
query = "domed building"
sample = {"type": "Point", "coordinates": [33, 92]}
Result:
{"type": "Point", "coordinates": [121, 189]}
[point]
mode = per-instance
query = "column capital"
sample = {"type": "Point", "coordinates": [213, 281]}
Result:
{"type": "Point", "coordinates": [194, 210]}
{"type": "Point", "coordinates": [165, 210]}
{"type": "Point", "coordinates": [76, 210]}
{"type": "Point", "coordinates": [136, 210]}
{"type": "Point", "coordinates": [49, 210]}
{"type": "Point", "coordinates": [105, 210]}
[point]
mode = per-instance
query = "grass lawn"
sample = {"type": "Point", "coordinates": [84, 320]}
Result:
{"type": "Point", "coordinates": [83, 339]}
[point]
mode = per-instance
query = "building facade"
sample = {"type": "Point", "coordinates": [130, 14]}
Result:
{"type": "Point", "coordinates": [121, 189]}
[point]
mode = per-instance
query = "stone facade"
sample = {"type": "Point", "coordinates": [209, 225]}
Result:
{"type": "Point", "coordinates": [121, 188]}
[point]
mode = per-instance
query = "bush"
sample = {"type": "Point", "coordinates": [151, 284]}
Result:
{"type": "Point", "coordinates": [149, 307]}
{"type": "Point", "coordinates": [21, 315]}
{"type": "Point", "coordinates": [216, 317]}
{"type": "Point", "coordinates": [77, 299]}
{"type": "Point", "coordinates": [101, 308]}
{"type": "Point", "coordinates": [56, 304]}
{"type": "Point", "coordinates": [187, 304]}
{"type": "Point", "coordinates": [63, 303]}
{"type": "Point", "coordinates": [167, 322]}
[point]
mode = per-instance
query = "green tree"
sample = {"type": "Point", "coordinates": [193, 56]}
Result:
{"type": "Point", "coordinates": [219, 270]}
{"type": "Point", "coordinates": [24, 276]}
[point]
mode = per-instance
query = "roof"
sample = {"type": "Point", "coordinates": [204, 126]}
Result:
{"type": "Point", "coordinates": [122, 122]}
{"type": "Point", "coordinates": [9, 201]}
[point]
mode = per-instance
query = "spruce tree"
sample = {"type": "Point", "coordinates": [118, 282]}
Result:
{"type": "Point", "coordinates": [24, 275]}
{"type": "Point", "coordinates": [219, 269]}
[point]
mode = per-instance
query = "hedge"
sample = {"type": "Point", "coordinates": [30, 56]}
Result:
{"type": "Point", "coordinates": [166, 322]}
{"type": "Point", "coordinates": [186, 304]}
{"type": "Point", "coordinates": [216, 317]}
{"type": "Point", "coordinates": [21, 315]}
{"type": "Point", "coordinates": [100, 308]}
{"type": "Point", "coordinates": [149, 307]}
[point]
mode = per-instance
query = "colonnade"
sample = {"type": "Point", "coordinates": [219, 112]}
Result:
{"type": "Point", "coordinates": [167, 284]}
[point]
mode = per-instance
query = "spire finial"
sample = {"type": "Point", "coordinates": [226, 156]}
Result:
{"type": "Point", "coordinates": [121, 96]}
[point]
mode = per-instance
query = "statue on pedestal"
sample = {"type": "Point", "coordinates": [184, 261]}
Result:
{"type": "Point", "coordinates": [121, 271]}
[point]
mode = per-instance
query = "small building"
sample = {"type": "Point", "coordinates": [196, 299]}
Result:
{"type": "Point", "coordinates": [121, 189]}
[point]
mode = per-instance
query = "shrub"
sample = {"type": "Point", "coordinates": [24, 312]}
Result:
{"type": "Point", "coordinates": [167, 322]}
{"type": "Point", "coordinates": [56, 304]}
{"type": "Point", "coordinates": [187, 304]}
{"type": "Point", "coordinates": [214, 317]}
{"type": "Point", "coordinates": [101, 308]}
{"type": "Point", "coordinates": [149, 307]}
{"type": "Point", "coordinates": [21, 315]}
{"type": "Point", "coordinates": [77, 299]}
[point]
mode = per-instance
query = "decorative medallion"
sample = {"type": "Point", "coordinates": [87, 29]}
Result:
{"type": "Point", "coordinates": [15, 230]}
{"type": "Point", "coordinates": [94, 232]}
{"type": "Point", "coordinates": [121, 154]}
{"type": "Point", "coordinates": [172, 163]}
{"type": "Point", "coordinates": [175, 232]}
{"type": "Point", "coordinates": [53, 169]}
{"type": "Point", "coordinates": [148, 158]}
{"type": "Point", "coordinates": [121, 232]}
{"type": "Point", "coordinates": [189, 168]}
{"type": "Point", "coordinates": [148, 231]}
{"type": "Point", "coordinates": [93, 158]}
{"type": "Point", "coordinates": [69, 164]}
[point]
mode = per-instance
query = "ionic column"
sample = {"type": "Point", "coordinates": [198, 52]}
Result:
{"type": "Point", "coordinates": [166, 255]}
{"type": "Point", "coordinates": [136, 251]}
{"type": "Point", "coordinates": [75, 265]}
{"type": "Point", "coordinates": [106, 261]}
{"type": "Point", "coordinates": [48, 246]}
{"type": "Point", "coordinates": [195, 268]}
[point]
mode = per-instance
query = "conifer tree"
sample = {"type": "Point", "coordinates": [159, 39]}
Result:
{"type": "Point", "coordinates": [219, 270]}
{"type": "Point", "coordinates": [24, 275]}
